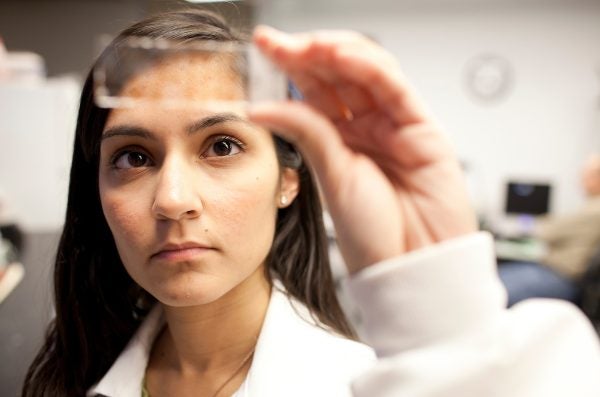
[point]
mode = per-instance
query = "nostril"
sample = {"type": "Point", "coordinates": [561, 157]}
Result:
{"type": "Point", "coordinates": [192, 213]}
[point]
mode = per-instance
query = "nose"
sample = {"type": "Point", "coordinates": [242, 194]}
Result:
{"type": "Point", "coordinates": [176, 196]}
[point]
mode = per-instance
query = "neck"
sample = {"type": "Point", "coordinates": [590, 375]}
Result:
{"type": "Point", "coordinates": [218, 335]}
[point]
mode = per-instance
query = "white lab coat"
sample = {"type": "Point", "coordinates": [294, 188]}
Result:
{"type": "Point", "coordinates": [437, 321]}
{"type": "Point", "coordinates": [293, 357]}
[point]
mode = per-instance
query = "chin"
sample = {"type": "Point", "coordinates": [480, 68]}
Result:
{"type": "Point", "coordinates": [190, 292]}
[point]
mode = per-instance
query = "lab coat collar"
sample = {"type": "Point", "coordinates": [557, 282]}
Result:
{"type": "Point", "coordinates": [285, 336]}
{"type": "Point", "coordinates": [126, 375]}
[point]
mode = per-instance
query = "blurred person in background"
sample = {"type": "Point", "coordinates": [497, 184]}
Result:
{"type": "Point", "coordinates": [571, 240]}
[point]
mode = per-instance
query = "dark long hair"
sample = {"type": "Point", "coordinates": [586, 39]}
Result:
{"type": "Point", "coordinates": [98, 305]}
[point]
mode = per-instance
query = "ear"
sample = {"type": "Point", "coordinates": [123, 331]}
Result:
{"type": "Point", "coordinates": [288, 188]}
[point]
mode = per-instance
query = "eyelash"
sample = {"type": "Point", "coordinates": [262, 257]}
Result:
{"type": "Point", "coordinates": [225, 138]}
{"type": "Point", "coordinates": [219, 138]}
{"type": "Point", "coordinates": [119, 154]}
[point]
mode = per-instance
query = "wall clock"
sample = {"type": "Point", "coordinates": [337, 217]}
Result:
{"type": "Point", "coordinates": [488, 78]}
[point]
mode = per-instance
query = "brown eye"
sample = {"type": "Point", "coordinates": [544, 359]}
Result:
{"type": "Point", "coordinates": [224, 146]}
{"type": "Point", "coordinates": [131, 160]}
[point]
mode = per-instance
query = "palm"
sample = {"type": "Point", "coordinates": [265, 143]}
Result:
{"type": "Point", "coordinates": [405, 182]}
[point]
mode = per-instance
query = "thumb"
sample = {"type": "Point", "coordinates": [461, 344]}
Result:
{"type": "Point", "coordinates": [312, 133]}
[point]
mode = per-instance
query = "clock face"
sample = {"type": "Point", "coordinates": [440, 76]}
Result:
{"type": "Point", "coordinates": [488, 78]}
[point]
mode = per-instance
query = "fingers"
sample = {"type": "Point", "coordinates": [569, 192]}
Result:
{"type": "Point", "coordinates": [312, 133]}
{"type": "Point", "coordinates": [342, 101]}
{"type": "Point", "coordinates": [322, 96]}
{"type": "Point", "coordinates": [387, 85]}
{"type": "Point", "coordinates": [345, 59]}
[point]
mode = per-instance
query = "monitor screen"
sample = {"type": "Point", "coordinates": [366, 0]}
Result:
{"type": "Point", "coordinates": [527, 198]}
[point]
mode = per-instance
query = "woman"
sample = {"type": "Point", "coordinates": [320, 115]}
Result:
{"type": "Point", "coordinates": [201, 222]}
{"type": "Point", "coordinates": [144, 181]}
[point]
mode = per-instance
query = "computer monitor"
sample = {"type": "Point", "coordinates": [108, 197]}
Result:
{"type": "Point", "coordinates": [524, 198]}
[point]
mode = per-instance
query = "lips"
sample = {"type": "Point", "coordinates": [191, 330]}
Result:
{"type": "Point", "coordinates": [181, 252]}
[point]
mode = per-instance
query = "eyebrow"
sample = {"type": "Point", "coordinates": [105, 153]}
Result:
{"type": "Point", "coordinates": [127, 130]}
{"type": "Point", "coordinates": [212, 120]}
{"type": "Point", "coordinates": [203, 123]}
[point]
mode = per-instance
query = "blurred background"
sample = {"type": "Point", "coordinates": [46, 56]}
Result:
{"type": "Point", "coordinates": [515, 83]}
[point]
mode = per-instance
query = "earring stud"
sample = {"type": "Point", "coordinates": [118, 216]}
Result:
{"type": "Point", "coordinates": [283, 200]}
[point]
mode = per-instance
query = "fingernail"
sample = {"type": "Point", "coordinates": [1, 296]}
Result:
{"type": "Point", "coordinates": [265, 29]}
{"type": "Point", "coordinates": [255, 108]}
{"type": "Point", "coordinates": [263, 32]}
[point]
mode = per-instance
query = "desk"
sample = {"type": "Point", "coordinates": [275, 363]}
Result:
{"type": "Point", "coordinates": [525, 249]}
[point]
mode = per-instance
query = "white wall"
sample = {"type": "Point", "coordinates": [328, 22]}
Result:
{"type": "Point", "coordinates": [548, 123]}
{"type": "Point", "coordinates": [37, 124]}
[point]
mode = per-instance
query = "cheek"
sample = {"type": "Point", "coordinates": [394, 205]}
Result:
{"type": "Point", "coordinates": [251, 208]}
{"type": "Point", "coordinates": [125, 218]}
{"type": "Point", "coordinates": [248, 216]}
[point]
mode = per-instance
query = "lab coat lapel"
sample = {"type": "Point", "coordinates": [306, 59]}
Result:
{"type": "Point", "coordinates": [285, 342]}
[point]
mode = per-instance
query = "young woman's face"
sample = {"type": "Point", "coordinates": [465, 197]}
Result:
{"type": "Point", "coordinates": [190, 196]}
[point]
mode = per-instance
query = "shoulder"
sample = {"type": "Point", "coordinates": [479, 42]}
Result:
{"type": "Point", "coordinates": [297, 355]}
{"type": "Point", "coordinates": [294, 323]}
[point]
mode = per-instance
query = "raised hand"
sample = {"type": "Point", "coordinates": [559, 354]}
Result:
{"type": "Point", "coordinates": [391, 181]}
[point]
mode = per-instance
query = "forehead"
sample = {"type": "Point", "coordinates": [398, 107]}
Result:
{"type": "Point", "coordinates": [188, 78]}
